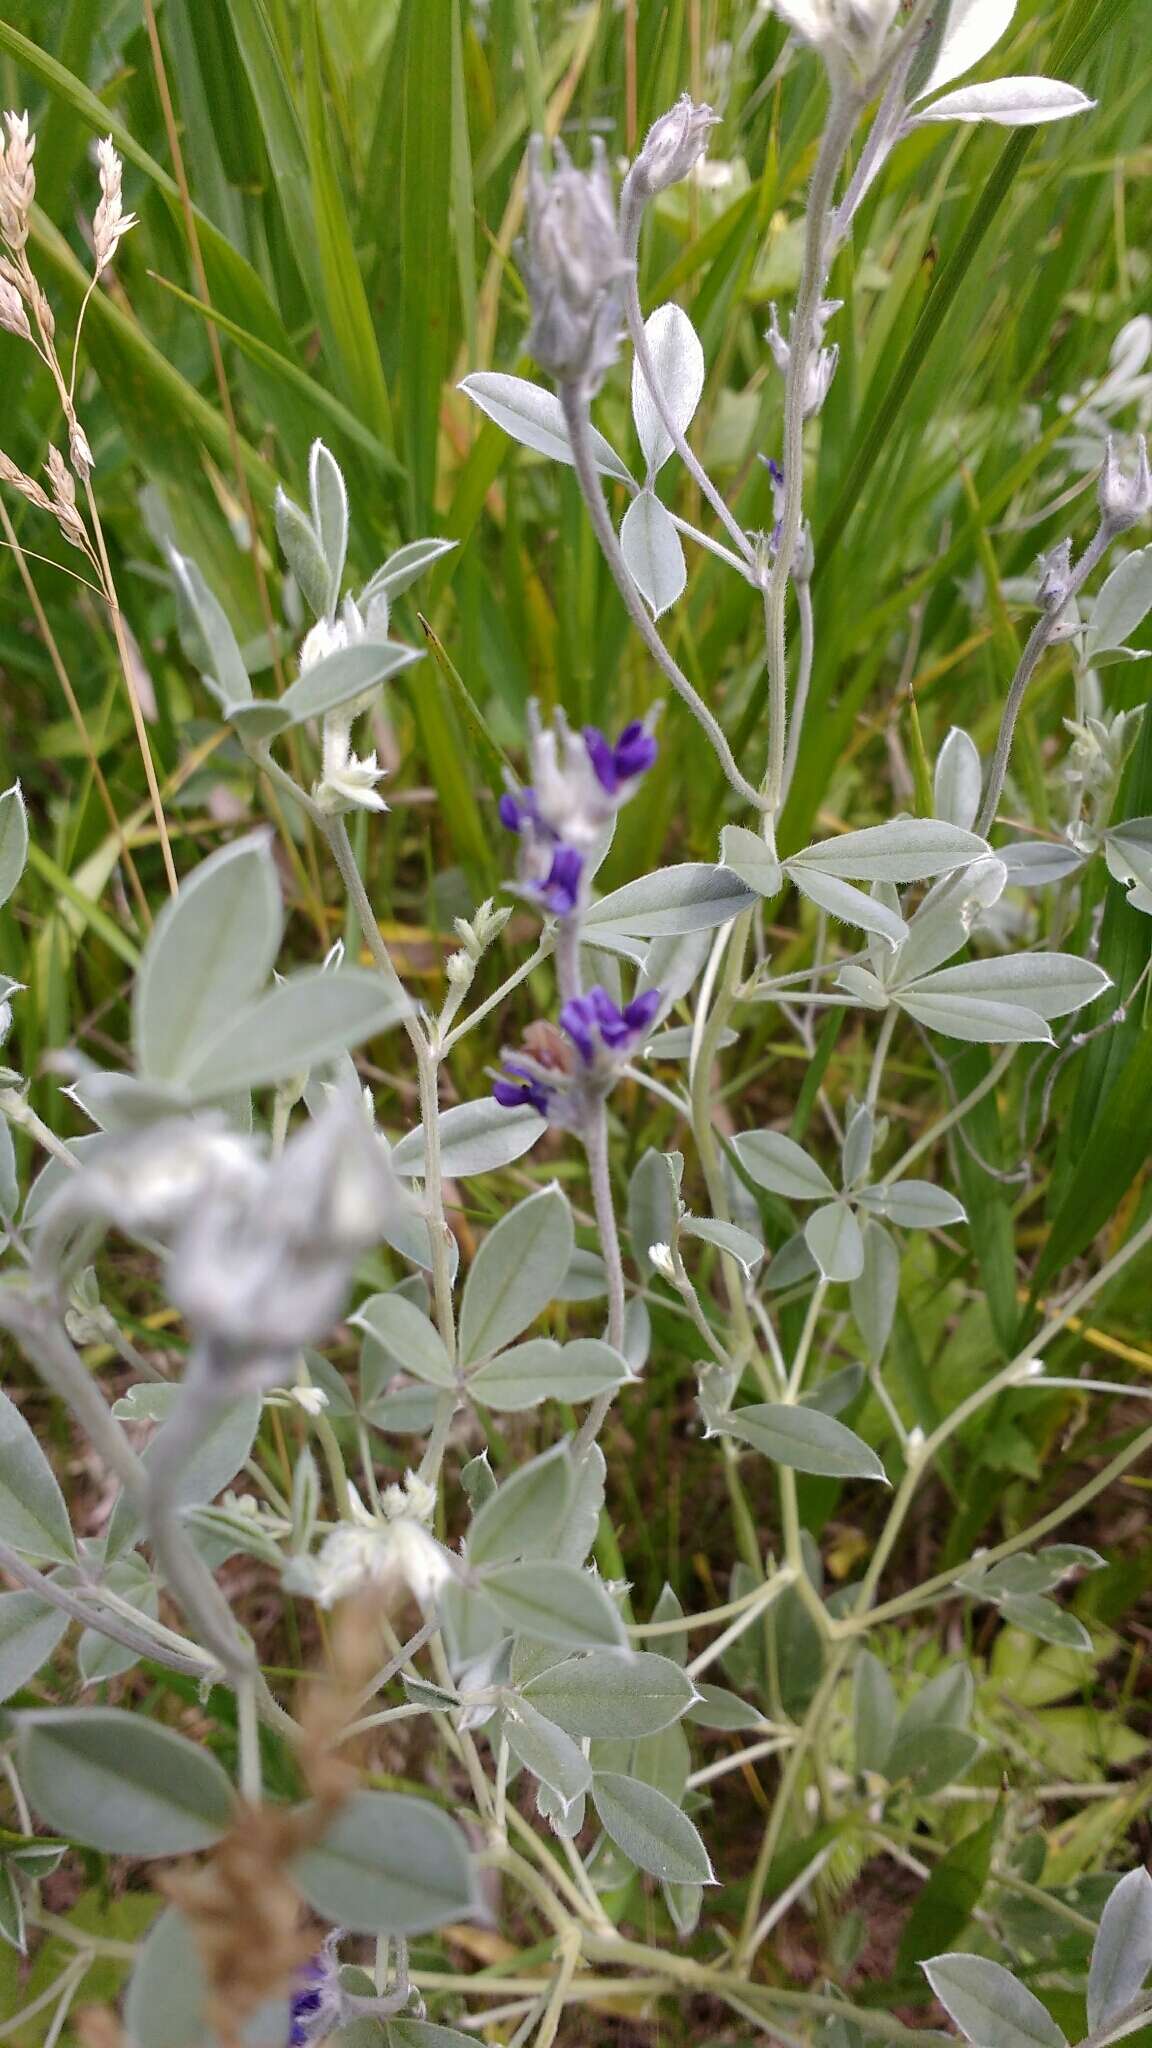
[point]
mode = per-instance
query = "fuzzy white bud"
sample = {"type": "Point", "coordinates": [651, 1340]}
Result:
{"type": "Point", "coordinates": [1125, 500]}
{"type": "Point", "coordinates": [673, 146]}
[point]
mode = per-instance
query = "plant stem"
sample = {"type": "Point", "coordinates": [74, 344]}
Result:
{"type": "Point", "coordinates": [600, 1175]}
{"type": "Point", "coordinates": [842, 114]}
{"type": "Point", "coordinates": [1038, 641]}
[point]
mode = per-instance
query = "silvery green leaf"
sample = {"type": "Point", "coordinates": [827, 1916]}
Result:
{"type": "Point", "coordinates": [790, 1266]}
{"type": "Point", "coordinates": [560, 1603]}
{"type": "Point", "coordinates": [913, 1204]}
{"type": "Point", "coordinates": [525, 1509]}
{"type": "Point", "coordinates": [515, 1273]}
{"type": "Point", "coordinates": [260, 720]}
{"type": "Point", "coordinates": [1043, 1618]}
{"type": "Point", "coordinates": [1009, 102]}
{"type": "Point", "coordinates": [904, 850]}
{"type": "Point", "coordinates": [859, 1141]}
{"type": "Point", "coordinates": [119, 1102]}
{"type": "Point", "coordinates": [217, 1458]}
{"type": "Point", "coordinates": [673, 965]}
{"type": "Point", "coordinates": [716, 1707]}
{"type": "Point", "coordinates": [33, 1517]}
{"type": "Point", "coordinates": [933, 1758]}
{"type": "Point", "coordinates": [970, 29]}
{"type": "Point", "coordinates": [653, 552]}
{"type": "Point", "coordinates": [542, 1370]}
{"type": "Point", "coordinates": [411, 1340]}
{"type": "Point", "coordinates": [388, 1864]}
{"type": "Point", "coordinates": [303, 553]}
{"type": "Point", "coordinates": [147, 1401]}
{"type": "Point", "coordinates": [676, 1043]}
{"type": "Point", "coordinates": [323, 1374]}
{"type": "Point", "coordinates": [571, 1538]}
{"type": "Point", "coordinates": [329, 498]}
{"type": "Point", "coordinates": [978, 1021]}
{"type": "Point", "coordinates": [168, 1995]}
{"type": "Point", "coordinates": [637, 1333]}
{"type": "Point", "coordinates": [653, 1205]}
{"type": "Point", "coordinates": [1122, 1952]}
{"type": "Point", "coordinates": [779, 1164]}
{"type": "Point", "coordinates": [1036, 863]}
{"type": "Point", "coordinates": [876, 1290]}
{"type": "Point", "coordinates": [649, 1830]}
{"type": "Point", "coordinates": [13, 840]}
{"type": "Point", "coordinates": [342, 677]}
{"type": "Point", "coordinates": [958, 780]}
{"type": "Point", "coordinates": [852, 906]}
{"type": "Point", "coordinates": [122, 1783]}
{"type": "Point", "coordinates": [1120, 657]}
{"type": "Point", "coordinates": [612, 1695]}
{"type": "Point", "coordinates": [688, 898]}
{"type": "Point", "coordinates": [678, 362]}
{"type": "Point", "coordinates": [402, 568]}
{"type": "Point", "coordinates": [217, 651]}
{"type": "Point", "coordinates": [1021, 1574]}
{"type": "Point", "coordinates": [300, 1023]}
{"type": "Point", "coordinates": [989, 2006]}
{"type": "Point", "coordinates": [475, 1137]}
{"type": "Point", "coordinates": [208, 954]}
{"type": "Point", "coordinates": [535, 417]}
{"type": "Point", "coordinates": [585, 1279]}
{"type": "Point", "coordinates": [873, 1713]}
{"type": "Point", "coordinates": [747, 855]}
{"type": "Point", "coordinates": [1128, 853]}
{"type": "Point", "coordinates": [727, 1237]}
{"type": "Point", "coordinates": [832, 1235]}
{"type": "Point", "coordinates": [29, 1632]}
{"type": "Point", "coordinates": [684, 1903]}
{"type": "Point", "coordinates": [407, 1411]}
{"type": "Point", "coordinates": [805, 1440]}
{"type": "Point", "coordinates": [98, 1657]}
{"type": "Point", "coordinates": [545, 1749]}
{"type": "Point", "coordinates": [436, 1698]}
{"type": "Point", "coordinates": [837, 1392]}
{"type": "Point", "coordinates": [864, 986]}
{"type": "Point", "coordinates": [1049, 984]}
{"type": "Point", "coordinates": [945, 1702]}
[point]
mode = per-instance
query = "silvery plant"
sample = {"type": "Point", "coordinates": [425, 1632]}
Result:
{"type": "Point", "coordinates": [274, 1195]}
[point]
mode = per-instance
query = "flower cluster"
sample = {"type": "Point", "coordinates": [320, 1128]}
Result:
{"type": "Point", "coordinates": [573, 264]}
{"type": "Point", "coordinates": [562, 1073]}
{"type": "Point", "coordinates": [316, 2003]}
{"type": "Point", "coordinates": [822, 365]}
{"type": "Point", "coordinates": [579, 781]}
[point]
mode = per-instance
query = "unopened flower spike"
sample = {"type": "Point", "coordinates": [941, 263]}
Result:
{"type": "Point", "coordinates": [110, 222]}
{"type": "Point", "coordinates": [855, 29]}
{"type": "Point", "coordinates": [1125, 499]}
{"type": "Point", "coordinates": [822, 363]}
{"type": "Point", "coordinates": [562, 1073]}
{"type": "Point", "coordinates": [672, 147]}
{"type": "Point", "coordinates": [573, 263]}
{"type": "Point", "coordinates": [579, 782]}
{"type": "Point", "coordinates": [17, 180]}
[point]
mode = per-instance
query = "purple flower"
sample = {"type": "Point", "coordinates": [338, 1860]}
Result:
{"type": "Point", "coordinates": [631, 757]}
{"type": "Point", "coordinates": [312, 2009]}
{"type": "Point", "coordinates": [525, 1091]}
{"type": "Point", "coordinates": [559, 892]}
{"type": "Point", "coordinates": [519, 811]}
{"type": "Point", "coordinates": [595, 1024]}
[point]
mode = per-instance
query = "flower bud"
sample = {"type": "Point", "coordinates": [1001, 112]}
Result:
{"type": "Point", "coordinates": [1055, 576]}
{"type": "Point", "coordinates": [672, 146]}
{"type": "Point", "coordinates": [1125, 500]}
{"type": "Point", "coordinates": [856, 28]}
{"type": "Point", "coordinates": [573, 262]}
